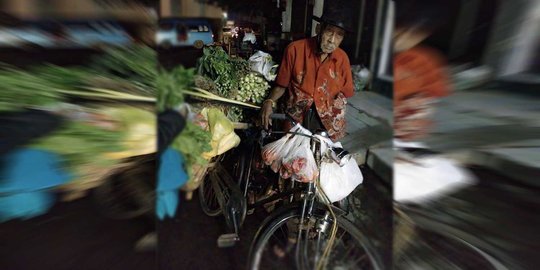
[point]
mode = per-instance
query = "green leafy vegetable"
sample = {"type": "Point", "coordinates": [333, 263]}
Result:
{"type": "Point", "coordinates": [80, 143]}
{"type": "Point", "coordinates": [225, 71]}
{"type": "Point", "coordinates": [192, 143]}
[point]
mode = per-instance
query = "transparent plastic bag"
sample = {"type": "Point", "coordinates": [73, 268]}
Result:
{"type": "Point", "coordinates": [273, 151]}
{"type": "Point", "coordinates": [299, 162]}
{"type": "Point", "coordinates": [304, 166]}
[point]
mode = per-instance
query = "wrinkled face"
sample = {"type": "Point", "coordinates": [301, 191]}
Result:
{"type": "Point", "coordinates": [331, 38]}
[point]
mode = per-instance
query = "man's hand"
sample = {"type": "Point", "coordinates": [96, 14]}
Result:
{"type": "Point", "coordinates": [267, 105]}
{"type": "Point", "coordinates": [266, 111]}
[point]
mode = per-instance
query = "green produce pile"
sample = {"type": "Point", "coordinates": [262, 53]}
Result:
{"type": "Point", "coordinates": [222, 69]}
{"type": "Point", "coordinates": [253, 88]}
{"type": "Point", "coordinates": [120, 75]}
{"type": "Point", "coordinates": [171, 87]}
{"type": "Point", "coordinates": [22, 89]}
{"type": "Point", "coordinates": [81, 143]}
{"type": "Point", "coordinates": [192, 143]}
{"type": "Point", "coordinates": [126, 74]}
{"type": "Point", "coordinates": [136, 66]}
{"type": "Point", "coordinates": [232, 79]}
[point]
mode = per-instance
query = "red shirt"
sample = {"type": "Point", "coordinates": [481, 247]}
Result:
{"type": "Point", "coordinates": [419, 76]}
{"type": "Point", "coordinates": [419, 70]}
{"type": "Point", "coordinates": [308, 80]}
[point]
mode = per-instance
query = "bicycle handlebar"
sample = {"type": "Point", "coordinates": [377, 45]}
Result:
{"type": "Point", "coordinates": [278, 116]}
{"type": "Point", "coordinates": [282, 116]}
{"type": "Point", "coordinates": [338, 154]}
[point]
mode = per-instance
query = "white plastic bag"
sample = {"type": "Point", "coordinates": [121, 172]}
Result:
{"type": "Point", "coordinates": [270, 152]}
{"type": "Point", "coordinates": [428, 178]}
{"type": "Point", "coordinates": [361, 77]}
{"type": "Point", "coordinates": [262, 63]}
{"type": "Point", "coordinates": [338, 182]}
{"type": "Point", "coordinates": [249, 37]}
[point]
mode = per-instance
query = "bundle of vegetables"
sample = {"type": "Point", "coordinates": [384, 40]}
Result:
{"type": "Point", "coordinates": [217, 65]}
{"type": "Point", "coordinates": [192, 143]}
{"type": "Point", "coordinates": [253, 88]}
{"type": "Point", "coordinates": [136, 65]}
{"type": "Point", "coordinates": [81, 144]}
{"type": "Point", "coordinates": [21, 89]}
{"type": "Point", "coordinates": [139, 127]}
{"type": "Point", "coordinates": [127, 74]}
{"type": "Point", "coordinates": [171, 87]}
{"type": "Point", "coordinates": [232, 80]}
{"type": "Point", "coordinates": [92, 140]}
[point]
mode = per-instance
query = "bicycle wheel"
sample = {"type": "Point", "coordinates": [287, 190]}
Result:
{"type": "Point", "coordinates": [434, 251]}
{"type": "Point", "coordinates": [223, 164]}
{"type": "Point", "coordinates": [207, 195]}
{"type": "Point", "coordinates": [274, 247]}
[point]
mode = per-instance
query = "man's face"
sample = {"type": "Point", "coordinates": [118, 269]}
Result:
{"type": "Point", "coordinates": [331, 38]}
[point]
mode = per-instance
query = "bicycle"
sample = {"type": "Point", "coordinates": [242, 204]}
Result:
{"type": "Point", "coordinates": [304, 216]}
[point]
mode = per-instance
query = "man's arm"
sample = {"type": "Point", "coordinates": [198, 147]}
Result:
{"type": "Point", "coordinates": [283, 79]}
{"type": "Point", "coordinates": [348, 87]}
{"type": "Point", "coordinates": [266, 110]}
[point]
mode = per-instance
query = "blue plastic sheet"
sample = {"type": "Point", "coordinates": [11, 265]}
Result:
{"type": "Point", "coordinates": [24, 179]}
{"type": "Point", "coordinates": [171, 176]}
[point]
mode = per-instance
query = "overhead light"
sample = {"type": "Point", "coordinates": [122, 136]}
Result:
{"type": "Point", "coordinates": [224, 14]}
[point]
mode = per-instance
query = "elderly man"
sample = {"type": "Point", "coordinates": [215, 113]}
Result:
{"type": "Point", "coordinates": [316, 74]}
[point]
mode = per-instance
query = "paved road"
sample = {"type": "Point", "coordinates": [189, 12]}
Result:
{"type": "Point", "coordinates": [71, 236]}
{"type": "Point", "coordinates": [497, 215]}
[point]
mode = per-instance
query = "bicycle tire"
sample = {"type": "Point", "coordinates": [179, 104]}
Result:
{"type": "Point", "coordinates": [282, 216]}
{"type": "Point", "coordinates": [446, 253]}
{"type": "Point", "coordinates": [207, 198]}
{"type": "Point", "coordinates": [438, 245]}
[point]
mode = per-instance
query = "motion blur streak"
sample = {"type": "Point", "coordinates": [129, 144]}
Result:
{"type": "Point", "coordinates": [488, 123]}
{"type": "Point", "coordinates": [75, 105]}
